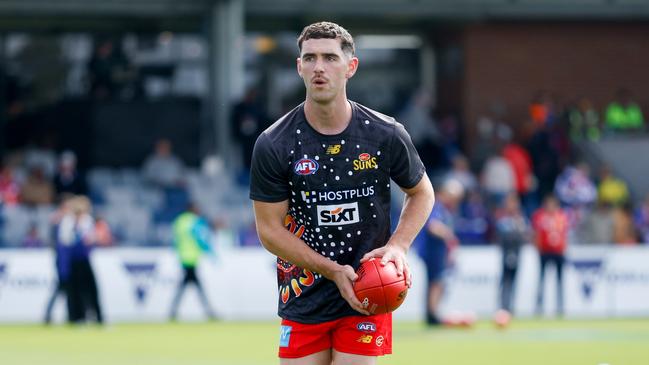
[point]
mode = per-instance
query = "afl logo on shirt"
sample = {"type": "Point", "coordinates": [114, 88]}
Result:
{"type": "Point", "coordinates": [306, 166]}
{"type": "Point", "coordinates": [365, 161]}
{"type": "Point", "coordinates": [338, 214]}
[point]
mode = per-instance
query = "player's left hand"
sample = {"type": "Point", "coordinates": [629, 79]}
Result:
{"type": "Point", "coordinates": [394, 253]}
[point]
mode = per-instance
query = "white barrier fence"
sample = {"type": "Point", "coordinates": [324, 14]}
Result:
{"type": "Point", "coordinates": [139, 284]}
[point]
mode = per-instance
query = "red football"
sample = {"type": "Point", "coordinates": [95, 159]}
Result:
{"type": "Point", "coordinates": [379, 288]}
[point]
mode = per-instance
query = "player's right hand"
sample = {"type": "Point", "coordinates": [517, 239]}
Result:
{"type": "Point", "coordinates": [344, 279]}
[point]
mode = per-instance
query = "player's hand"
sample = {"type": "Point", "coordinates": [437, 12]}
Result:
{"type": "Point", "coordinates": [396, 254]}
{"type": "Point", "coordinates": [344, 278]}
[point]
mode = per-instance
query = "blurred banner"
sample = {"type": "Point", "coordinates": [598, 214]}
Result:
{"type": "Point", "coordinates": [138, 284]}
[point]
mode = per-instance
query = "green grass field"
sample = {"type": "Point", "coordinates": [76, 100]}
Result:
{"type": "Point", "coordinates": [614, 342]}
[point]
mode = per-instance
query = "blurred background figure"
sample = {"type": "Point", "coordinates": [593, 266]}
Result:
{"type": "Point", "coordinates": [248, 120]}
{"type": "Point", "coordinates": [641, 219]}
{"type": "Point", "coordinates": [32, 237]}
{"type": "Point", "coordinates": [550, 225]}
{"type": "Point", "coordinates": [110, 71]}
{"type": "Point", "coordinates": [438, 242]}
{"type": "Point", "coordinates": [417, 118]}
{"type": "Point", "coordinates": [163, 168]}
{"type": "Point", "coordinates": [76, 236]}
{"type": "Point", "coordinates": [611, 189]}
{"type": "Point", "coordinates": [61, 258]}
{"type": "Point", "coordinates": [68, 180]}
{"type": "Point", "coordinates": [512, 231]}
{"type": "Point", "coordinates": [498, 179]}
{"type": "Point", "coordinates": [623, 114]}
{"type": "Point", "coordinates": [37, 189]}
{"type": "Point", "coordinates": [191, 240]}
{"type": "Point", "coordinates": [624, 230]}
{"type": "Point", "coordinates": [103, 233]}
{"type": "Point", "coordinates": [584, 122]}
{"type": "Point", "coordinates": [9, 187]}
{"type": "Point", "coordinates": [597, 226]}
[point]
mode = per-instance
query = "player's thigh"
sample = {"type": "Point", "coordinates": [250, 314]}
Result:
{"type": "Point", "coordinates": [319, 358]}
{"type": "Point", "coordinates": [342, 358]}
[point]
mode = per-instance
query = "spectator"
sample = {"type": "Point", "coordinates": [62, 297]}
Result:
{"type": "Point", "coordinates": [61, 254]}
{"type": "Point", "coordinates": [550, 224]}
{"type": "Point", "coordinates": [76, 236]}
{"type": "Point", "coordinates": [542, 109]}
{"type": "Point", "coordinates": [641, 219]}
{"type": "Point", "coordinates": [416, 117]}
{"type": "Point", "coordinates": [103, 234]}
{"type": "Point", "coordinates": [460, 171]}
{"type": "Point", "coordinates": [512, 230]}
{"type": "Point", "coordinates": [37, 190]}
{"type": "Point", "coordinates": [32, 238]}
{"type": "Point", "coordinates": [525, 182]}
{"type": "Point", "coordinates": [439, 240]}
{"type": "Point", "coordinates": [42, 157]}
{"type": "Point", "coordinates": [162, 168]}
{"type": "Point", "coordinates": [624, 232]}
{"type": "Point", "coordinates": [612, 190]}
{"type": "Point", "coordinates": [472, 223]}
{"type": "Point", "coordinates": [623, 114]}
{"type": "Point", "coordinates": [248, 120]}
{"type": "Point", "coordinates": [109, 70]}
{"type": "Point", "coordinates": [68, 180]}
{"type": "Point", "coordinates": [574, 187]}
{"type": "Point", "coordinates": [584, 123]}
{"type": "Point", "coordinates": [9, 188]}
{"type": "Point", "coordinates": [498, 180]}
{"type": "Point", "coordinates": [597, 226]}
{"type": "Point", "coordinates": [545, 159]}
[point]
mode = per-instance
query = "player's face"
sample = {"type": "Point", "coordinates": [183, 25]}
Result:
{"type": "Point", "coordinates": [325, 69]}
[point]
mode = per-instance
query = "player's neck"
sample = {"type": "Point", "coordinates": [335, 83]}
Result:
{"type": "Point", "coordinates": [330, 118]}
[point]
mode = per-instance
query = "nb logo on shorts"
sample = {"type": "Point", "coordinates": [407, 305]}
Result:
{"type": "Point", "coordinates": [365, 339]}
{"type": "Point", "coordinates": [285, 336]}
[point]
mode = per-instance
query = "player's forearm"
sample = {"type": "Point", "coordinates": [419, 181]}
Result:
{"type": "Point", "coordinates": [280, 242]}
{"type": "Point", "coordinates": [417, 206]}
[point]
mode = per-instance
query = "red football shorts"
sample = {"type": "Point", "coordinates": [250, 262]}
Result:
{"type": "Point", "coordinates": [359, 335]}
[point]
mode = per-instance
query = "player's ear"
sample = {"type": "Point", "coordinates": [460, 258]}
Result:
{"type": "Point", "coordinates": [352, 66]}
{"type": "Point", "coordinates": [298, 62]}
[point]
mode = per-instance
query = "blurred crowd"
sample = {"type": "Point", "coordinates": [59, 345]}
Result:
{"type": "Point", "coordinates": [537, 158]}
{"type": "Point", "coordinates": [534, 159]}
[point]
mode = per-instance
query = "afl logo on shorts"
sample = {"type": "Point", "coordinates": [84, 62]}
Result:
{"type": "Point", "coordinates": [306, 166]}
{"type": "Point", "coordinates": [366, 327]}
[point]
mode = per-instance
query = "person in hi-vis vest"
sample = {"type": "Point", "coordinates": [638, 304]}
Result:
{"type": "Point", "coordinates": [191, 240]}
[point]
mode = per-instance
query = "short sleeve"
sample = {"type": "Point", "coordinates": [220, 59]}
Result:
{"type": "Point", "coordinates": [406, 168]}
{"type": "Point", "coordinates": [268, 173]}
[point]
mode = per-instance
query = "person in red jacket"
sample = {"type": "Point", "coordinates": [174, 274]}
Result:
{"type": "Point", "coordinates": [551, 225]}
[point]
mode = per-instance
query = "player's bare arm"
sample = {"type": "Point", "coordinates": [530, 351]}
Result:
{"type": "Point", "coordinates": [417, 206]}
{"type": "Point", "coordinates": [282, 243]}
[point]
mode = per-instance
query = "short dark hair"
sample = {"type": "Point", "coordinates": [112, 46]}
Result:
{"type": "Point", "coordinates": [328, 30]}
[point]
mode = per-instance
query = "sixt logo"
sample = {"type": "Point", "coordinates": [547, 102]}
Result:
{"type": "Point", "coordinates": [365, 161]}
{"type": "Point", "coordinates": [333, 149]}
{"type": "Point", "coordinates": [368, 327]}
{"type": "Point", "coordinates": [306, 166]}
{"type": "Point", "coordinates": [590, 271]}
{"type": "Point", "coordinates": [142, 275]}
{"type": "Point", "coordinates": [338, 215]}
